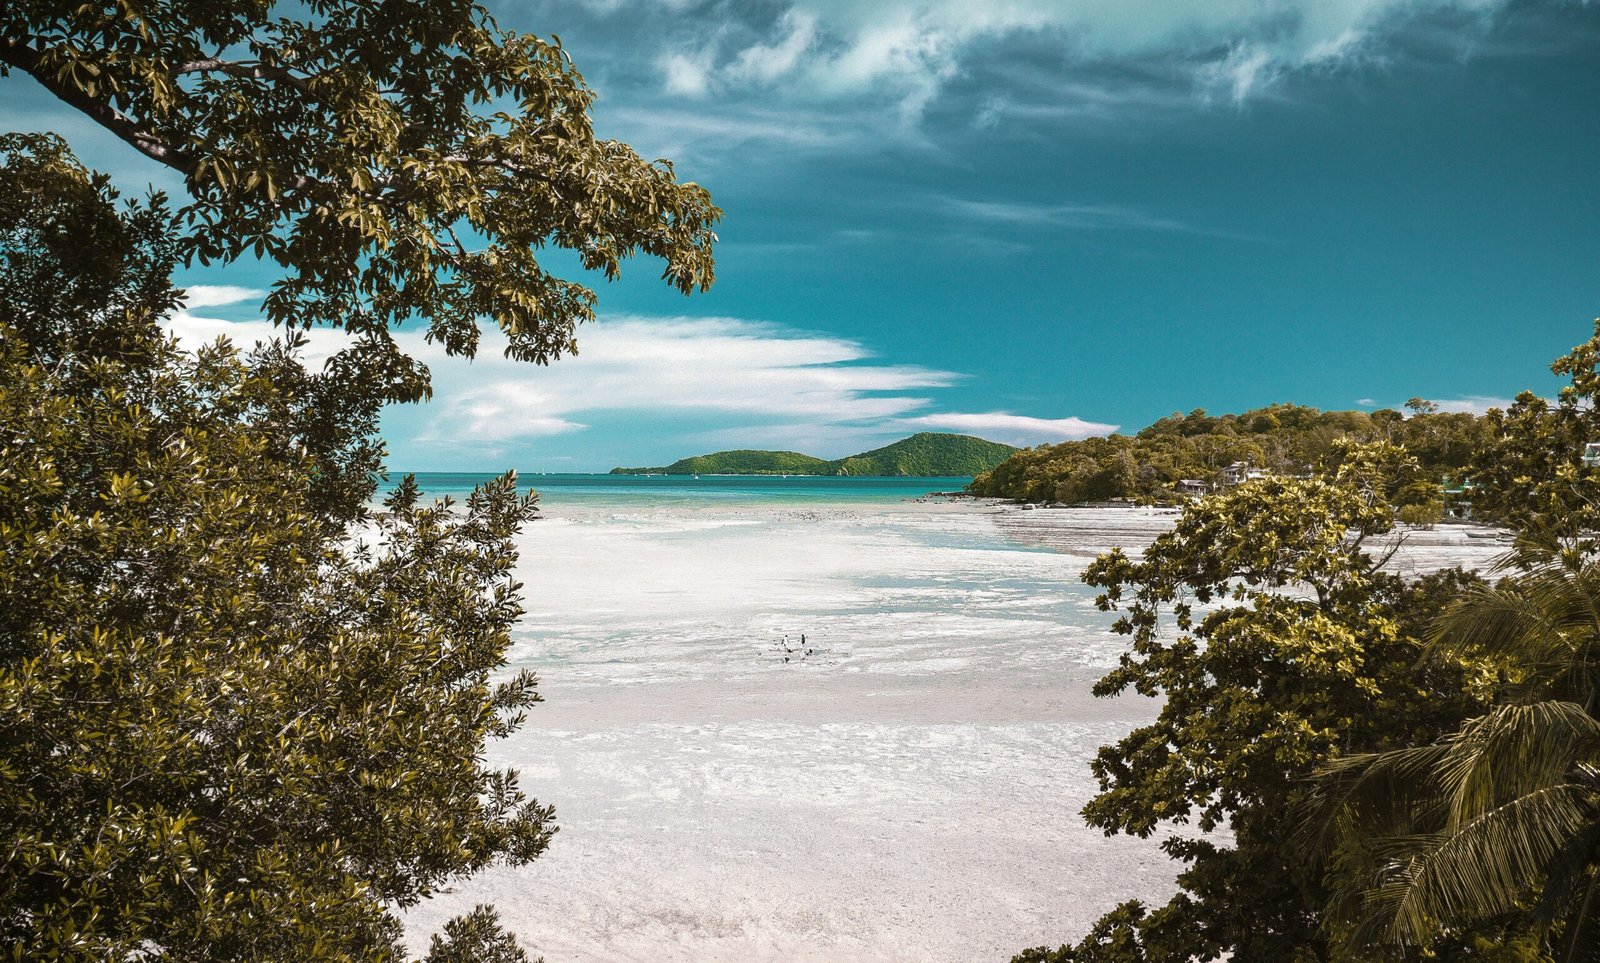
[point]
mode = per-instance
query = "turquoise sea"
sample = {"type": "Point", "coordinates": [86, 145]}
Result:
{"type": "Point", "coordinates": [668, 490]}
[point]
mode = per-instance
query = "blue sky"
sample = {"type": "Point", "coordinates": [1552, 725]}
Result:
{"type": "Point", "coordinates": [1034, 221]}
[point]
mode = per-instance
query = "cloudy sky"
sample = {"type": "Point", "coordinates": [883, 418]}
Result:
{"type": "Point", "coordinates": [1035, 220]}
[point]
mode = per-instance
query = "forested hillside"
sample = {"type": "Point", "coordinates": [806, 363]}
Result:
{"type": "Point", "coordinates": [1287, 439]}
{"type": "Point", "coordinates": [741, 462]}
{"type": "Point", "coordinates": [927, 453]}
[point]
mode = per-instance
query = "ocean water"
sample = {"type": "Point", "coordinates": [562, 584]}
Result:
{"type": "Point", "coordinates": [687, 490]}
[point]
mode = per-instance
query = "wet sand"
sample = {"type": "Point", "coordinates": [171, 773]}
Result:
{"type": "Point", "coordinates": [907, 790]}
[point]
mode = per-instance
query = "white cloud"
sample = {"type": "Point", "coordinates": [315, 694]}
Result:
{"type": "Point", "coordinates": [195, 331]}
{"type": "Point", "coordinates": [684, 366]}
{"type": "Point", "coordinates": [1065, 215]}
{"type": "Point", "coordinates": [213, 295]}
{"type": "Point", "coordinates": [1472, 404]}
{"type": "Point", "coordinates": [746, 382]}
{"type": "Point", "coordinates": [1247, 68]}
{"type": "Point", "coordinates": [688, 74]}
{"type": "Point", "coordinates": [768, 62]}
{"type": "Point", "coordinates": [910, 49]}
{"type": "Point", "coordinates": [1074, 216]}
{"type": "Point", "coordinates": [1010, 428]}
{"type": "Point", "coordinates": [685, 134]}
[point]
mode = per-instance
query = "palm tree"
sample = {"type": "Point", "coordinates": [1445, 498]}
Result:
{"type": "Point", "coordinates": [1501, 819]}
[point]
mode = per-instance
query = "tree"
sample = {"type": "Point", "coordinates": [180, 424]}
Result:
{"type": "Point", "coordinates": [1501, 817]}
{"type": "Point", "coordinates": [1277, 644]}
{"type": "Point", "coordinates": [243, 715]}
{"type": "Point", "coordinates": [1529, 472]}
{"type": "Point", "coordinates": [236, 724]}
{"type": "Point", "coordinates": [398, 159]}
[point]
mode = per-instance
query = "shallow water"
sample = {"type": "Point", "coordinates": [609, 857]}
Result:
{"type": "Point", "coordinates": [658, 491]}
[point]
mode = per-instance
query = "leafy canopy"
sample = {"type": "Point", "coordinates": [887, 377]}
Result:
{"type": "Point", "coordinates": [1276, 644]}
{"type": "Point", "coordinates": [1529, 473]}
{"type": "Point", "coordinates": [1500, 818]}
{"type": "Point", "coordinates": [236, 724]}
{"type": "Point", "coordinates": [398, 159]}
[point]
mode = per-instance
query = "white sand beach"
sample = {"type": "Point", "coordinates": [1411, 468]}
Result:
{"type": "Point", "coordinates": [907, 791]}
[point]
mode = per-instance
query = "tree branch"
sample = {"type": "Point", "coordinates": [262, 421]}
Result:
{"type": "Point", "coordinates": [251, 70]}
{"type": "Point", "coordinates": [32, 62]}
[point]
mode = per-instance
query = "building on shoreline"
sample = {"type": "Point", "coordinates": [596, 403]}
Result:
{"type": "Point", "coordinates": [1238, 473]}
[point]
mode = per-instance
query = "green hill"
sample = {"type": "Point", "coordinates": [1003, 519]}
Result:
{"type": "Point", "coordinates": [927, 453]}
{"type": "Point", "coordinates": [742, 462]}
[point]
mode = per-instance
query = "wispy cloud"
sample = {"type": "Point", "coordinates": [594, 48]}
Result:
{"type": "Point", "coordinates": [194, 331]}
{"type": "Point", "coordinates": [1472, 404]}
{"type": "Point", "coordinates": [1007, 427]}
{"type": "Point", "coordinates": [1063, 215]}
{"type": "Point", "coordinates": [215, 295]}
{"type": "Point", "coordinates": [718, 381]}
{"type": "Point", "coordinates": [765, 63]}
{"type": "Point", "coordinates": [908, 51]}
{"type": "Point", "coordinates": [707, 367]}
{"type": "Point", "coordinates": [688, 74]}
{"type": "Point", "coordinates": [1076, 216]}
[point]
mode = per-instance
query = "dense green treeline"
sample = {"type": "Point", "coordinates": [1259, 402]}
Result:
{"type": "Point", "coordinates": [1282, 439]}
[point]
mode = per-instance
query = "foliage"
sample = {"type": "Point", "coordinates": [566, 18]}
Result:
{"type": "Point", "coordinates": [236, 723]}
{"type": "Point", "coordinates": [1502, 816]}
{"type": "Point", "coordinates": [475, 938]}
{"type": "Point", "coordinates": [1277, 644]}
{"type": "Point", "coordinates": [243, 716]}
{"type": "Point", "coordinates": [930, 454]}
{"type": "Point", "coordinates": [1283, 439]}
{"type": "Point", "coordinates": [1529, 473]}
{"type": "Point", "coordinates": [397, 159]}
{"type": "Point", "coordinates": [1422, 515]}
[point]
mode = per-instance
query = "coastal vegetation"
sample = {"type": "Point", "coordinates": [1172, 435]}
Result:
{"type": "Point", "coordinates": [244, 711]}
{"type": "Point", "coordinates": [1283, 439]}
{"type": "Point", "coordinates": [226, 735]}
{"type": "Point", "coordinates": [928, 453]}
{"type": "Point", "coordinates": [1407, 769]}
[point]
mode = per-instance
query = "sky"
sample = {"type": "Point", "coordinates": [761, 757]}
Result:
{"type": "Point", "coordinates": [1036, 221]}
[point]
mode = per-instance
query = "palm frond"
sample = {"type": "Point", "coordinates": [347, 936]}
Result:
{"type": "Point", "coordinates": [1488, 865]}
{"type": "Point", "coordinates": [1511, 751]}
{"type": "Point", "coordinates": [1544, 621]}
{"type": "Point", "coordinates": [1378, 794]}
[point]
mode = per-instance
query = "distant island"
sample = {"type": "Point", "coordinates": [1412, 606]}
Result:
{"type": "Point", "coordinates": [925, 453]}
